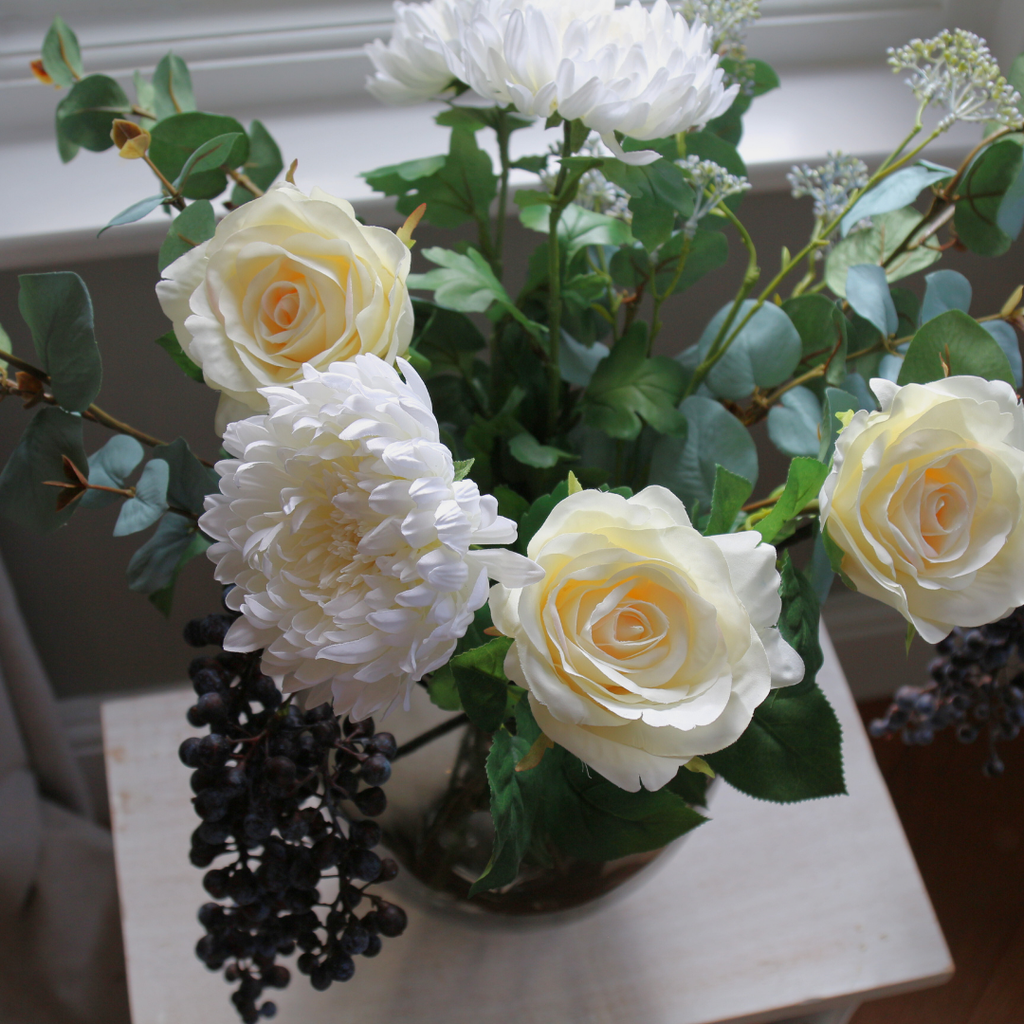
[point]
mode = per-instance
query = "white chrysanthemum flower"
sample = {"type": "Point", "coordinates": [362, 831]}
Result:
{"type": "Point", "coordinates": [414, 65]}
{"type": "Point", "coordinates": [644, 73]}
{"type": "Point", "coordinates": [348, 538]}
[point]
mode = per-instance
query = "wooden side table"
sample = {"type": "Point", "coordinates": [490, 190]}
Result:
{"type": "Point", "coordinates": [768, 913]}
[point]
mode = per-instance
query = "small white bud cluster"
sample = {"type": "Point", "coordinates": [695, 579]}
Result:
{"type": "Point", "coordinates": [831, 184]}
{"type": "Point", "coordinates": [957, 71]}
{"type": "Point", "coordinates": [727, 19]}
{"type": "Point", "coordinates": [713, 184]}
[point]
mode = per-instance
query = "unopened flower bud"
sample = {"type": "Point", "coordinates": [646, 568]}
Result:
{"type": "Point", "coordinates": [39, 70]}
{"type": "Point", "coordinates": [131, 140]}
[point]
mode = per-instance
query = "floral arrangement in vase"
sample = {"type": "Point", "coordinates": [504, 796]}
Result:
{"type": "Point", "coordinates": [510, 515]}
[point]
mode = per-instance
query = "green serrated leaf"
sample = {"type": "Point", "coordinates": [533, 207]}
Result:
{"type": "Point", "coordinates": [51, 434]}
{"type": "Point", "coordinates": [525, 448]}
{"type": "Point", "coordinates": [58, 310]}
{"type": "Point", "coordinates": [628, 388]}
{"type": "Point", "coordinates": [481, 683]}
{"type": "Point", "coordinates": [577, 227]}
{"type": "Point", "coordinates": [954, 344]}
{"type": "Point", "coordinates": [533, 518]}
{"type": "Point", "coordinates": [792, 749]}
{"type": "Point", "coordinates": [730, 492]}
{"type": "Point", "coordinates": [462, 468]}
{"type": "Point", "coordinates": [803, 482]}
{"type": "Point", "coordinates": [658, 192]}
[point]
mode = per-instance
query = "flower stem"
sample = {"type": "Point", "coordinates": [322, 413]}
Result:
{"type": "Point", "coordinates": [559, 202]}
{"type": "Point", "coordinates": [430, 735]}
{"type": "Point", "coordinates": [503, 133]}
{"type": "Point", "coordinates": [660, 297]}
{"type": "Point", "coordinates": [94, 412]}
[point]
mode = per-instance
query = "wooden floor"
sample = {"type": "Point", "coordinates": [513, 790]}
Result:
{"type": "Point", "coordinates": [967, 833]}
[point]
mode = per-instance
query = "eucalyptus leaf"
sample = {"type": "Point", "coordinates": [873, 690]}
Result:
{"type": "Point", "coordinates": [85, 115]}
{"type": "Point", "coordinates": [981, 194]}
{"type": "Point", "coordinates": [1010, 218]}
{"type": "Point", "coordinates": [62, 57]}
{"type": "Point", "coordinates": [823, 334]}
{"type": "Point", "coordinates": [172, 87]}
{"type": "Point", "coordinates": [190, 481]}
{"type": "Point", "coordinates": [895, 191]}
{"type": "Point", "coordinates": [1006, 339]}
{"type": "Point", "coordinates": [162, 598]}
{"type": "Point", "coordinates": [763, 354]}
{"type": "Point", "coordinates": [208, 156]}
{"type": "Point", "coordinates": [51, 434]}
{"type": "Point", "coordinates": [135, 212]}
{"type": "Point", "coordinates": [155, 565]}
{"type": "Point", "coordinates": [58, 310]}
{"type": "Point", "coordinates": [867, 291]}
{"type": "Point", "coordinates": [194, 225]}
{"type": "Point", "coordinates": [953, 344]}
{"type": "Point", "coordinates": [176, 138]}
{"type": "Point", "coordinates": [149, 503]}
{"type": "Point", "coordinates": [714, 438]}
{"type": "Point", "coordinates": [794, 426]}
{"type": "Point", "coordinates": [110, 467]}
{"type": "Point", "coordinates": [875, 245]}
{"type": "Point", "coordinates": [169, 343]}
{"type": "Point", "coordinates": [262, 166]}
{"type": "Point", "coordinates": [945, 290]}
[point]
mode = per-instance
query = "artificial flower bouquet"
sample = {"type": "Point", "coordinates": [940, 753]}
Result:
{"type": "Point", "coordinates": [511, 506]}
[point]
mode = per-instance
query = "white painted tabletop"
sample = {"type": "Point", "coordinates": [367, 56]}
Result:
{"type": "Point", "coordinates": [766, 913]}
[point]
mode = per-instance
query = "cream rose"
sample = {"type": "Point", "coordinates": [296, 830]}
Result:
{"type": "Point", "coordinates": [925, 500]}
{"type": "Point", "coordinates": [645, 644]}
{"type": "Point", "coordinates": [287, 280]}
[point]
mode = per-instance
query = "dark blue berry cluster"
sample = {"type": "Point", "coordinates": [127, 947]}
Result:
{"type": "Point", "coordinates": [280, 792]}
{"type": "Point", "coordinates": [976, 688]}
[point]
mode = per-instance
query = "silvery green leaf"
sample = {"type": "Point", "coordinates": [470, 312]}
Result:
{"type": "Point", "coordinates": [856, 385]}
{"type": "Point", "coordinates": [153, 566]}
{"type": "Point", "coordinates": [945, 289]}
{"type": "Point", "coordinates": [110, 467]}
{"type": "Point", "coordinates": [149, 503]}
{"type": "Point", "coordinates": [836, 401]}
{"type": "Point", "coordinates": [577, 361]}
{"type": "Point", "coordinates": [897, 190]}
{"type": "Point", "coordinates": [714, 438]}
{"type": "Point", "coordinates": [794, 425]}
{"type": "Point", "coordinates": [889, 367]}
{"type": "Point", "coordinates": [867, 291]}
{"type": "Point", "coordinates": [58, 310]}
{"type": "Point", "coordinates": [1006, 338]}
{"type": "Point", "coordinates": [1011, 210]}
{"type": "Point", "coordinates": [135, 212]}
{"type": "Point", "coordinates": [875, 245]}
{"type": "Point", "coordinates": [763, 354]}
{"type": "Point", "coordinates": [190, 480]}
{"type": "Point", "coordinates": [210, 154]}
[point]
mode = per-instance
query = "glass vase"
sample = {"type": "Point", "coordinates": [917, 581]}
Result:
{"type": "Point", "coordinates": [438, 827]}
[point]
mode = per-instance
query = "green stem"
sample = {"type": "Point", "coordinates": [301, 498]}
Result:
{"type": "Point", "coordinates": [658, 299]}
{"type": "Point", "coordinates": [499, 231]}
{"type": "Point", "coordinates": [723, 339]}
{"type": "Point", "coordinates": [555, 284]}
